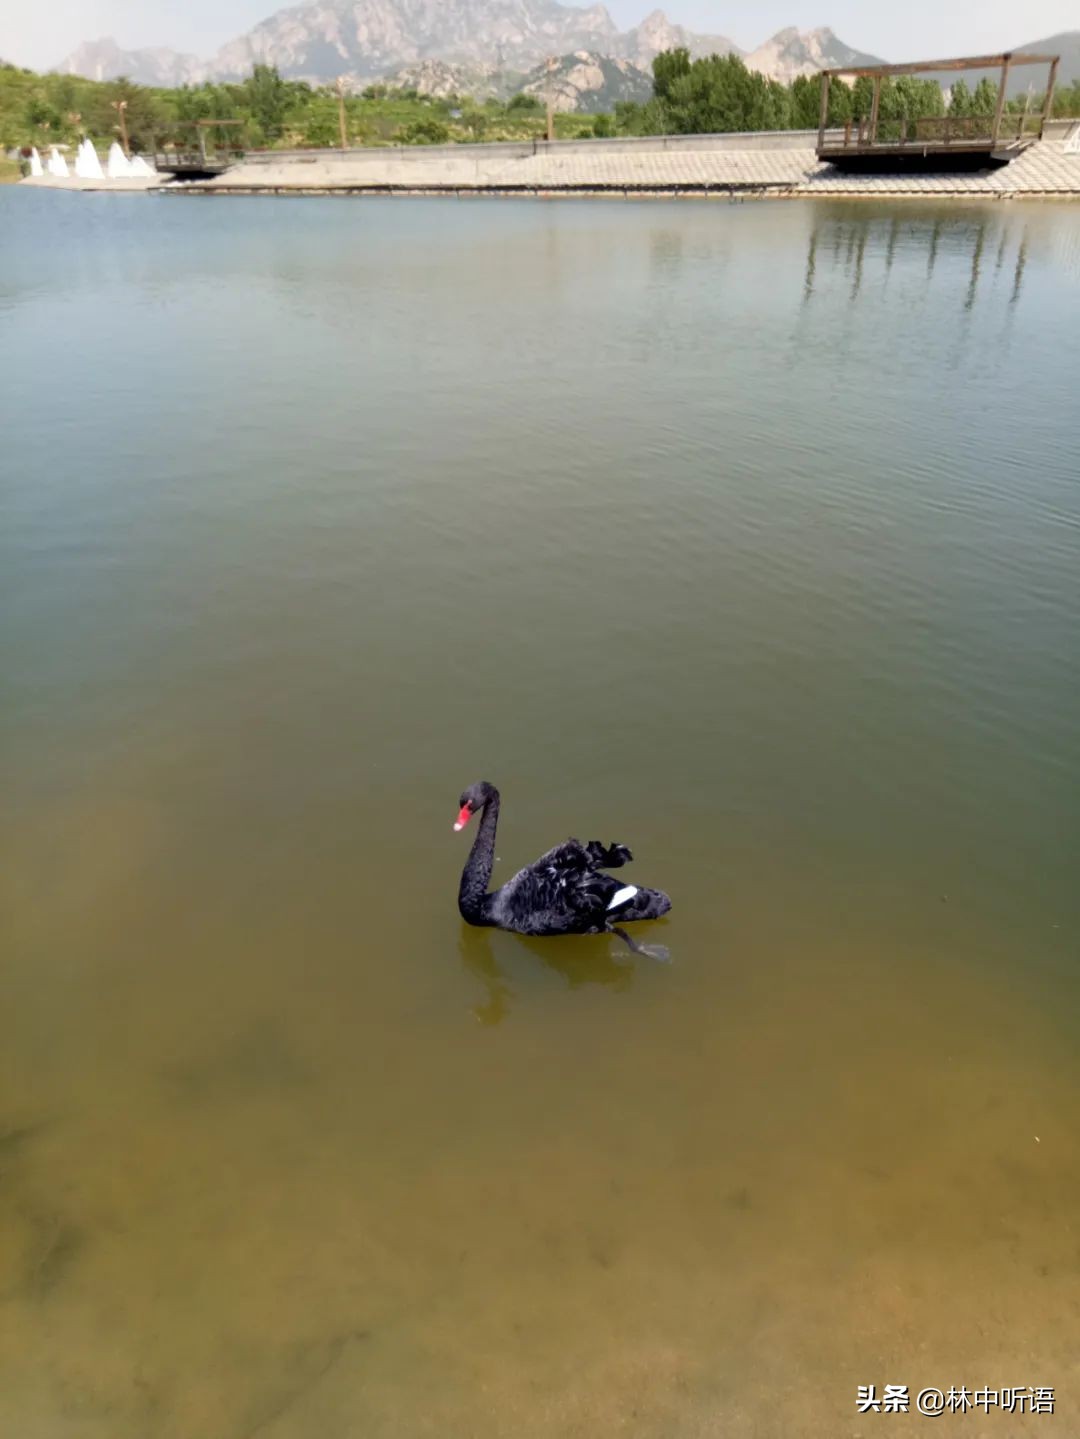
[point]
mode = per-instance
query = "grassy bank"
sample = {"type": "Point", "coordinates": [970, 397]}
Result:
{"type": "Point", "coordinates": [718, 94]}
{"type": "Point", "coordinates": [9, 172]}
{"type": "Point", "coordinates": [45, 110]}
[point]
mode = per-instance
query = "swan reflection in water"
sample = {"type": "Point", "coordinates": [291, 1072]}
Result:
{"type": "Point", "coordinates": [579, 960]}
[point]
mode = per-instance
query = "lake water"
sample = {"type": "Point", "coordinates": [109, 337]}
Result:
{"type": "Point", "coordinates": [747, 535]}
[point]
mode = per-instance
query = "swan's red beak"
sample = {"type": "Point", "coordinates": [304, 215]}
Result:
{"type": "Point", "coordinates": [463, 818]}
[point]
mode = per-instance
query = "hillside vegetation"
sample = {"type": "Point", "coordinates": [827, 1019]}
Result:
{"type": "Point", "coordinates": [717, 93]}
{"type": "Point", "coordinates": [54, 109]}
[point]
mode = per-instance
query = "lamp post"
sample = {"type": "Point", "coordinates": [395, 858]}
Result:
{"type": "Point", "coordinates": [120, 106]}
{"type": "Point", "coordinates": [341, 111]}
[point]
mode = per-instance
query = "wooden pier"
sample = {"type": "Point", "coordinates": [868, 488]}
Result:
{"type": "Point", "coordinates": [193, 152]}
{"type": "Point", "coordinates": [940, 142]}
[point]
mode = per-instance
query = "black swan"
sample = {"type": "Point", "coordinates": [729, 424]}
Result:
{"type": "Point", "coordinates": [564, 892]}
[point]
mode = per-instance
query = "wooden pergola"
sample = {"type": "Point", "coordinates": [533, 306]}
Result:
{"type": "Point", "coordinates": [202, 153]}
{"type": "Point", "coordinates": [928, 134]}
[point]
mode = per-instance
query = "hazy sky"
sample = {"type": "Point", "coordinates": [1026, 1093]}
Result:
{"type": "Point", "coordinates": [40, 34]}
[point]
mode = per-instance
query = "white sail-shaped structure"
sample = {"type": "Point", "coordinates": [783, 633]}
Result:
{"type": "Point", "coordinates": [140, 167]}
{"type": "Point", "coordinates": [57, 164]}
{"type": "Point", "coordinates": [118, 166]}
{"type": "Point", "coordinates": [87, 164]}
{"type": "Point", "coordinates": [36, 167]}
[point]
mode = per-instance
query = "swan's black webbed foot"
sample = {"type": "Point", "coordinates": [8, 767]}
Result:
{"type": "Point", "coordinates": [651, 951]}
{"type": "Point", "coordinates": [612, 856]}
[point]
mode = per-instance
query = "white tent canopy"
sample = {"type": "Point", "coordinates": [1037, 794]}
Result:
{"type": "Point", "coordinates": [87, 164]}
{"type": "Point", "coordinates": [36, 167]}
{"type": "Point", "coordinates": [119, 166]}
{"type": "Point", "coordinates": [57, 164]}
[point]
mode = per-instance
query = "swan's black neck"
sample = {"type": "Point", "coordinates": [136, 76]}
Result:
{"type": "Point", "coordinates": [472, 893]}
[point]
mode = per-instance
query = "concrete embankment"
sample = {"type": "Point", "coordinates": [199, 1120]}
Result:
{"type": "Point", "coordinates": [777, 164]}
{"type": "Point", "coordinates": [130, 184]}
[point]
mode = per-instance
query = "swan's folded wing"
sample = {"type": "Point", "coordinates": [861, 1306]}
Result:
{"type": "Point", "coordinates": [608, 856]}
{"type": "Point", "coordinates": [570, 855]}
{"type": "Point", "coordinates": [562, 892]}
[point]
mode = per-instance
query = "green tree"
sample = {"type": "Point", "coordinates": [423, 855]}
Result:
{"type": "Point", "coordinates": [190, 105]}
{"type": "Point", "coordinates": [805, 103]}
{"type": "Point", "coordinates": [984, 100]}
{"type": "Point", "coordinates": [628, 117]}
{"type": "Point", "coordinates": [960, 101]}
{"type": "Point", "coordinates": [911, 98]}
{"type": "Point", "coordinates": [208, 102]}
{"type": "Point", "coordinates": [321, 126]}
{"type": "Point", "coordinates": [603, 127]}
{"type": "Point", "coordinates": [476, 122]}
{"type": "Point", "coordinates": [524, 101]}
{"type": "Point", "coordinates": [143, 113]}
{"type": "Point", "coordinates": [713, 95]}
{"type": "Point", "coordinates": [425, 132]}
{"type": "Point", "coordinates": [668, 68]}
{"type": "Point", "coordinates": [862, 97]}
{"type": "Point", "coordinates": [840, 99]}
{"type": "Point", "coordinates": [268, 97]}
{"type": "Point", "coordinates": [39, 114]}
{"type": "Point", "coordinates": [652, 118]}
{"type": "Point", "coordinates": [776, 107]}
{"type": "Point", "coordinates": [64, 92]}
{"type": "Point", "coordinates": [905, 100]}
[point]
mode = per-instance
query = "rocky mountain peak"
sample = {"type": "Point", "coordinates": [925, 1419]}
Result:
{"type": "Point", "coordinates": [319, 40]}
{"type": "Point", "coordinates": [791, 52]}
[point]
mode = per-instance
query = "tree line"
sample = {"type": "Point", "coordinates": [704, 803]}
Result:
{"type": "Point", "coordinates": [54, 109]}
{"type": "Point", "coordinates": [718, 93]}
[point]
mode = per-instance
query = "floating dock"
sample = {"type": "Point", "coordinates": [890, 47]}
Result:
{"type": "Point", "coordinates": [778, 164]}
{"type": "Point", "coordinates": [949, 143]}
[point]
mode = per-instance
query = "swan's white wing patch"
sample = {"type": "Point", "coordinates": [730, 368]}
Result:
{"type": "Point", "coordinates": [622, 895]}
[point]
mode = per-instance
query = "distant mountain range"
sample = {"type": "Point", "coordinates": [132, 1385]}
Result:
{"type": "Point", "coordinates": [483, 47]}
{"type": "Point", "coordinates": [370, 39]}
{"type": "Point", "coordinates": [1066, 44]}
{"type": "Point", "coordinates": [105, 60]}
{"type": "Point", "coordinates": [588, 81]}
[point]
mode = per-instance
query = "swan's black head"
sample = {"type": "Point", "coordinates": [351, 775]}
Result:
{"type": "Point", "coordinates": [472, 799]}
